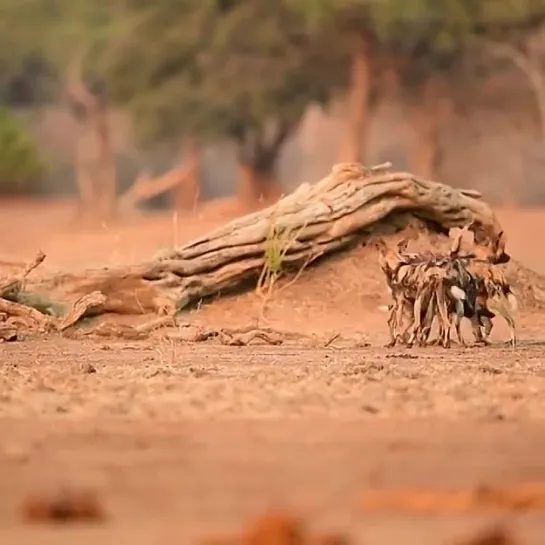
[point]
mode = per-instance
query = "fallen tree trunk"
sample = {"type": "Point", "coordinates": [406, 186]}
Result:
{"type": "Point", "coordinates": [315, 220]}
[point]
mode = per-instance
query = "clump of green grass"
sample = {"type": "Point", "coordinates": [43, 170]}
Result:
{"type": "Point", "coordinates": [278, 243]}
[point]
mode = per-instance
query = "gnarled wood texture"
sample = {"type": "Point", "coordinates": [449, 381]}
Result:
{"type": "Point", "coordinates": [342, 209]}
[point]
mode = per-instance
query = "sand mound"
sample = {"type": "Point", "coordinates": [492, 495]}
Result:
{"type": "Point", "coordinates": [348, 288]}
{"type": "Point", "coordinates": [356, 274]}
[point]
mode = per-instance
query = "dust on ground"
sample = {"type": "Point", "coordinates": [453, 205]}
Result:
{"type": "Point", "coordinates": [182, 439]}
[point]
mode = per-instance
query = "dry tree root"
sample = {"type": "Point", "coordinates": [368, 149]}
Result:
{"type": "Point", "coordinates": [18, 315]}
{"type": "Point", "coordinates": [80, 309]}
{"type": "Point", "coordinates": [22, 311]}
{"type": "Point", "coordinates": [33, 318]}
{"type": "Point", "coordinates": [194, 333]}
{"type": "Point", "coordinates": [113, 330]}
{"type": "Point", "coordinates": [246, 335]}
{"type": "Point", "coordinates": [244, 339]}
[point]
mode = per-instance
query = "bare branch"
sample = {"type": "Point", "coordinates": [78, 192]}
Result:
{"type": "Point", "coordinates": [530, 66]}
{"type": "Point", "coordinates": [146, 187]}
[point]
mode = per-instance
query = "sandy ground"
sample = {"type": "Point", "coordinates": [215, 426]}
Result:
{"type": "Point", "coordinates": [182, 441]}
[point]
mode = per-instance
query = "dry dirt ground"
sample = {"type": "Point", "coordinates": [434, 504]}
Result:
{"type": "Point", "coordinates": [187, 440]}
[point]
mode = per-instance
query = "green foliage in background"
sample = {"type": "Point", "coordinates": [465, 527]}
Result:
{"type": "Point", "coordinates": [251, 56]}
{"type": "Point", "coordinates": [21, 165]}
{"type": "Point", "coordinates": [243, 70]}
{"type": "Point", "coordinates": [430, 33]}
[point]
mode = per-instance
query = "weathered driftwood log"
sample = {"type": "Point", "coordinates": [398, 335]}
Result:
{"type": "Point", "coordinates": [343, 208]}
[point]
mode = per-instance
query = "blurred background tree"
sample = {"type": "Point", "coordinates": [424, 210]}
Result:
{"type": "Point", "coordinates": [57, 36]}
{"type": "Point", "coordinates": [245, 72]}
{"type": "Point", "coordinates": [417, 46]}
{"type": "Point", "coordinates": [213, 70]}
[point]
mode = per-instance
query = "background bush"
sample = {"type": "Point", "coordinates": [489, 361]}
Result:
{"type": "Point", "coordinates": [21, 164]}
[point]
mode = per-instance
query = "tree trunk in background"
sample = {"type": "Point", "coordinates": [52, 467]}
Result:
{"type": "Point", "coordinates": [95, 165]}
{"type": "Point", "coordinates": [106, 179]}
{"type": "Point", "coordinates": [94, 156]}
{"type": "Point", "coordinates": [258, 182]}
{"type": "Point", "coordinates": [358, 97]}
{"type": "Point", "coordinates": [258, 156]}
{"type": "Point", "coordinates": [186, 195]}
{"type": "Point", "coordinates": [426, 121]}
{"type": "Point", "coordinates": [88, 198]}
{"type": "Point", "coordinates": [390, 78]}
